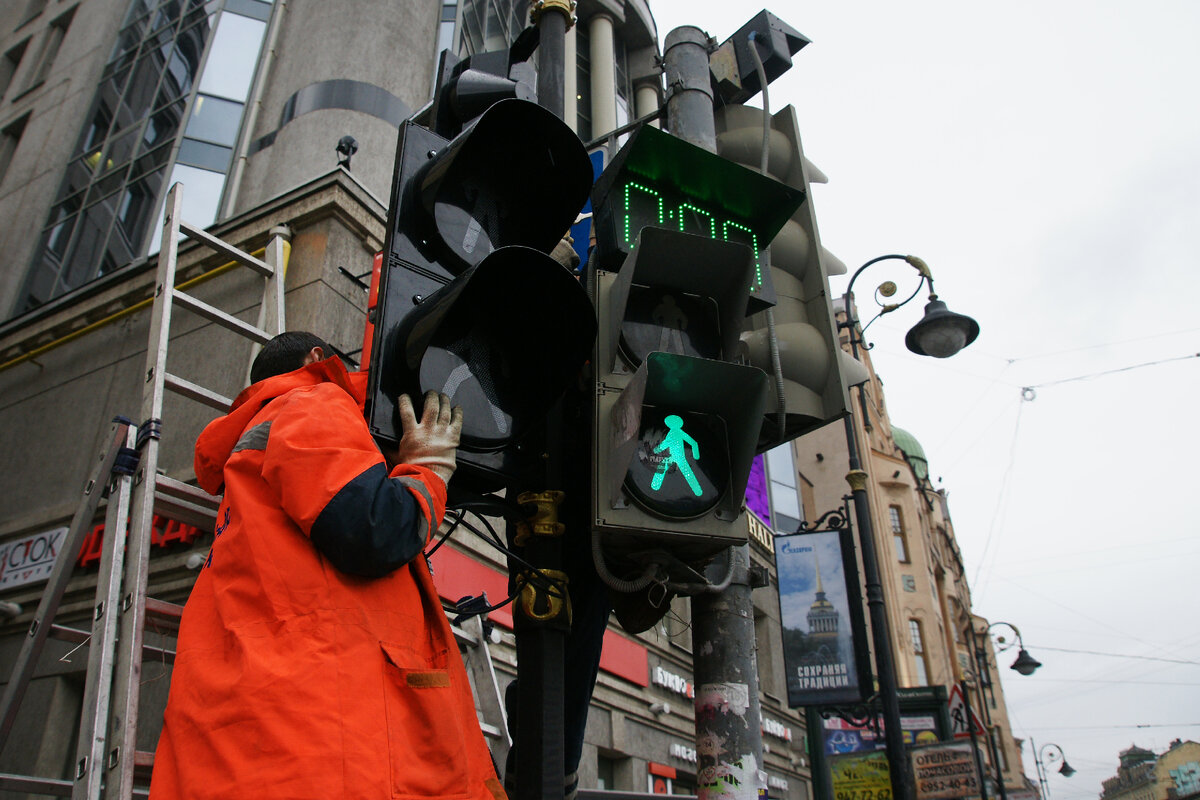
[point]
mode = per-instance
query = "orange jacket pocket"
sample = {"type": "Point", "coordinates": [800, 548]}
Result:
{"type": "Point", "coordinates": [425, 735]}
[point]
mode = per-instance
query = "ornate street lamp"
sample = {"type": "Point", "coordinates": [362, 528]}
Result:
{"type": "Point", "coordinates": [1041, 759]}
{"type": "Point", "coordinates": [1025, 665]}
{"type": "Point", "coordinates": [940, 334]}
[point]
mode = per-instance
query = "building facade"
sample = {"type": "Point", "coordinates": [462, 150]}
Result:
{"type": "Point", "coordinates": [927, 597]}
{"type": "Point", "coordinates": [1143, 775]}
{"type": "Point", "coordinates": [104, 105]}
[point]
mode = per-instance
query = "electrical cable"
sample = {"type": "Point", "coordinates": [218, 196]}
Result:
{"type": "Point", "coordinates": [765, 254]}
{"type": "Point", "coordinates": [1113, 371]}
{"type": "Point", "coordinates": [1117, 655]}
{"type": "Point", "coordinates": [536, 577]}
{"type": "Point", "coordinates": [1001, 499]}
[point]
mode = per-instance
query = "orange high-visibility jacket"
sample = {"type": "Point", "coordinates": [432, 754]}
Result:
{"type": "Point", "coordinates": [295, 679]}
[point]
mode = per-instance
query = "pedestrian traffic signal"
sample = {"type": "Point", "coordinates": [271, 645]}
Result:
{"type": "Point", "coordinates": [815, 372]}
{"type": "Point", "coordinates": [470, 303]}
{"type": "Point", "coordinates": [679, 249]}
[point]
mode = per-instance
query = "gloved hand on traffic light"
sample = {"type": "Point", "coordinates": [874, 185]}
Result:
{"type": "Point", "coordinates": [432, 441]}
{"type": "Point", "coordinates": [564, 252]}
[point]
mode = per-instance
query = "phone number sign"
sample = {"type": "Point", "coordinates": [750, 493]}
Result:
{"type": "Point", "coordinates": [945, 771]}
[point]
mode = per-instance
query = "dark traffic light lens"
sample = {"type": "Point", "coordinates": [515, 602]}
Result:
{"type": "Point", "coordinates": [681, 467]}
{"type": "Point", "coordinates": [669, 321]}
{"type": "Point", "coordinates": [476, 377]}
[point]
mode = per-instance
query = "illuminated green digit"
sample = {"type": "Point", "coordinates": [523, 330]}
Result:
{"type": "Point", "coordinates": [630, 196]}
{"type": "Point", "coordinates": [696, 214]}
{"type": "Point", "coordinates": [753, 242]}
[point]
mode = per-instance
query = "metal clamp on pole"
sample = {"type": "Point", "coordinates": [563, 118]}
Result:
{"type": "Point", "coordinates": [543, 520]}
{"type": "Point", "coordinates": [565, 7]}
{"type": "Point", "coordinates": [544, 604]}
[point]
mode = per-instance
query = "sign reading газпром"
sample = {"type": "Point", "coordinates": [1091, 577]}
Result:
{"type": "Point", "coordinates": [30, 558]}
{"type": "Point", "coordinates": [945, 771]}
{"type": "Point", "coordinates": [821, 614]}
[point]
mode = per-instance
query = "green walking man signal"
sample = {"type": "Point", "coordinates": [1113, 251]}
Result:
{"type": "Point", "coordinates": [675, 443]}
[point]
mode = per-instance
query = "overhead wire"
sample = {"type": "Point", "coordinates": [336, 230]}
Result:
{"type": "Point", "coordinates": [1001, 502]}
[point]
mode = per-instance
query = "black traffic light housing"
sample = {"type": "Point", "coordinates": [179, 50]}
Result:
{"type": "Point", "coordinates": [732, 68]}
{"type": "Point", "coordinates": [468, 87]}
{"type": "Point", "coordinates": [470, 303]}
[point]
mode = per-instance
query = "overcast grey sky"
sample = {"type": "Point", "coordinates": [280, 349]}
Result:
{"type": "Point", "coordinates": [1044, 159]}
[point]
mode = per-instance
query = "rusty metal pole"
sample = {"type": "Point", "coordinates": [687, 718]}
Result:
{"type": "Point", "coordinates": [728, 715]}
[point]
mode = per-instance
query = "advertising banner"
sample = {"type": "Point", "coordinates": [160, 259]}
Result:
{"type": "Point", "coordinates": [821, 613]}
{"type": "Point", "coordinates": [944, 771]}
{"type": "Point", "coordinates": [860, 777]}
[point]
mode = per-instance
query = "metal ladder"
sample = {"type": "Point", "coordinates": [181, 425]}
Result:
{"type": "Point", "coordinates": [106, 756]}
{"type": "Point", "coordinates": [489, 702]}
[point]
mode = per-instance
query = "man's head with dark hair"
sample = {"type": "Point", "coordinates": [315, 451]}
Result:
{"type": "Point", "coordinates": [286, 352]}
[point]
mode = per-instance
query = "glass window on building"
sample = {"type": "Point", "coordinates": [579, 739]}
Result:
{"type": "Point", "coordinates": [606, 770]}
{"type": "Point", "coordinates": [9, 64]}
{"type": "Point", "coordinates": [625, 101]}
{"type": "Point", "coordinates": [786, 513]}
{"type": "Point", "coordinates": [899, 537]}
{"type": "Point", "coordinates": [489, 25]}
{"type": "Point", "coordinates": [583, 83]}
{"type": "Point", "coordinates": [51, 44]}
{"type": "Point", "coordinates": [10, 137]}
{"type": "Point", "coordinates": [153, 102]}
{"type": "Point", "coordinates": [919, 655]}
{"type": "Point", "coordinates": [998, 744]}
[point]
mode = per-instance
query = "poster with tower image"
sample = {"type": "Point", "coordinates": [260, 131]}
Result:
{"type": "Point", "coordinates": [820, 607]}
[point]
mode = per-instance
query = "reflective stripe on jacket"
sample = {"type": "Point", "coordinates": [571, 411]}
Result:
{"type": "Point", "coordinates": [294, 678]}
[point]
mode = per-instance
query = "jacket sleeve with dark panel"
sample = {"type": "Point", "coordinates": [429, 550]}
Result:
{"type": "Point", "coordinates": [331, 479]}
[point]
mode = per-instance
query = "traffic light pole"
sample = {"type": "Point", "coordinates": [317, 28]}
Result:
{"type": "Point", "coordinates": [543, 619]}
{"type": "Point", "coordinates": [728, 715]}
{"type": "Point", "coordinates": [552, 52]}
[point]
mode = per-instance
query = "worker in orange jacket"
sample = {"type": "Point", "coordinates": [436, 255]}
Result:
{"type": "Point", "coordinates": [314, 658]}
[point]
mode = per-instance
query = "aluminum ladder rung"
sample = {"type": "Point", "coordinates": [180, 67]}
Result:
{"type": "Point", "coordinates": [228, 250]}
{"type": "Point", "coordinates": [179, 490]}
{"type": "Point", "coordinates": [35, 785]}
{"type": "Point", "coordinates": [214, 314]}
{"type": "Point", "coordinates": [195, 391]}
{"type": "Point", "coordinates": [185, 503]}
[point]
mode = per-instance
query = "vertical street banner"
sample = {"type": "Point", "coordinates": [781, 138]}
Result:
{"type": "Point", "coordinates": [820, 606]}
{"type": "Point", "coordinates": [945, 771]}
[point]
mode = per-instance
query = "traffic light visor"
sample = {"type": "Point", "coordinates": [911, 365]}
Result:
{"type": "Point", "coordinates": [518, 176]}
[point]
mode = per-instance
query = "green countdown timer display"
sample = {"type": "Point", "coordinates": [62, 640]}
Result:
{"type": "Point", "coordinates": [657, 180]}
{"type": "Point", "coordinates": [644, 205]}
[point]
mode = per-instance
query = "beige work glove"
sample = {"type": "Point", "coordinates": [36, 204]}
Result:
{"type": "Point", "coordinates": [564, 252]}
{"type": "Point", "coordinates": [431, 442]}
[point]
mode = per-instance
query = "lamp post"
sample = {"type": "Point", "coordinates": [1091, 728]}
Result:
{"type": "Point", "coordinates": [1040, 761]}
{"type": "Point", "coordinates": [1025, 665]}
{"type": "Point", "coordinates": [940, 334]}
